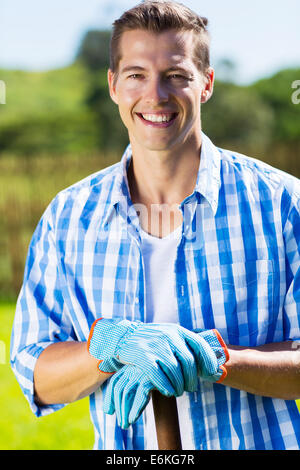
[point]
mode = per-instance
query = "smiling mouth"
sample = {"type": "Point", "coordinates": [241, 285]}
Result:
{"type": "Point", "coordinates": [158, 120]}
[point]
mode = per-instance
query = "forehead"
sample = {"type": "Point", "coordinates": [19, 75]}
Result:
{"type": "Point", "coordinates": [170, 47]}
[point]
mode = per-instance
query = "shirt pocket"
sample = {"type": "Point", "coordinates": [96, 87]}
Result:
{"type": "Point", "coordinates": [242, 298]}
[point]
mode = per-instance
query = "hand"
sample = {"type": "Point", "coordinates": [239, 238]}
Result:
{"type": "Point", "coordinates": [211, 366]}
{"type": "Point", "coordinates": [128, 391]}
{"type": "Point", "coordinates": [167, 352]}
{"type": "Point", "coordinates": [127, 394]}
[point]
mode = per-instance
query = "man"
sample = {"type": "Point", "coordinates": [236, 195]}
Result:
{"type": "Point", "coordinates": [137, 276]}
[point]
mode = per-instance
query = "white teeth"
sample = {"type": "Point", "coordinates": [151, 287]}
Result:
{"type": "Point", "coordinates": [157, 117]}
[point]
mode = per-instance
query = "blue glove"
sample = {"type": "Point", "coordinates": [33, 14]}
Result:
{"type": "Point", "coordinates": [127, 394]}
{"type": "Point", "coordinates": [128, 391]}
{"type": "Point", "coordinates": [215, 355]}
{"type": "Point", "coordinates": [167, 352]}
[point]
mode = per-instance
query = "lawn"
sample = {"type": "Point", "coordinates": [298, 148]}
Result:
{"type": "Point", "coordinates": [66, 429]}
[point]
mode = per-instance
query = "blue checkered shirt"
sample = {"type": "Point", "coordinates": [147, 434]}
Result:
{"type": "Point", "coordinates": [237, 270]}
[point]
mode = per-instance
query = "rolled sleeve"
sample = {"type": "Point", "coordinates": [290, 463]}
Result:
{"type": "Point", "coordinates": [40, 318]}
{"type": "Point", "coordinates": [23, 364]}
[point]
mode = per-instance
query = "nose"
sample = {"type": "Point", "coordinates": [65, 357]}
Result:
{"type": "Point", "coordinates": [156, 91]}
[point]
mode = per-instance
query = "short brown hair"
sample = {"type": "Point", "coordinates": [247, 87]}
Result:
{"type": "Point", "coordinates": [159, 16]}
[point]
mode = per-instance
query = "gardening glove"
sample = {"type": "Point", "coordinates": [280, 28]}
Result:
{"type": "Point", "coordinates": [128, 391]}
{"type": "Point", "coordinates": [167, 352]}
{"type": "Point", "coordinates": [127, 394]}
{"type": "Point", "coordinates": [215, 355]}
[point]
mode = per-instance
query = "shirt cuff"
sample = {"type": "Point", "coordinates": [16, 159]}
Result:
{"type": "Point", "coordinates": [23, 365]}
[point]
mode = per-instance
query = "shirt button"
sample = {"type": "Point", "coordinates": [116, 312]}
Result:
{"type": "Point", "coordinates": [136, 300]}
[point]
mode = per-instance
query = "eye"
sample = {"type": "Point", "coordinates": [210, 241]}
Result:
{"type": "Point", "coordinates": [135, 76]}
{"type": "Point", "coordinates": [177, 77]}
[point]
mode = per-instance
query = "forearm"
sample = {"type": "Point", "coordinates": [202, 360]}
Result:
{"type": "Point", "coordinates": [271, 370]}
{"type": "Point", "coordinates": [66, 372]}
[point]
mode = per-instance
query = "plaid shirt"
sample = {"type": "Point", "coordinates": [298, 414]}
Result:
{"type": "Point", "coordinates": [237, 270]}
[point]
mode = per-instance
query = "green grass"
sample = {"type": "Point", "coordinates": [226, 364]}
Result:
{"type": "Point", "coordinates": [66, 429]}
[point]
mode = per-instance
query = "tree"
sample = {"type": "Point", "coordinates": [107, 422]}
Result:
{"type": "Point", "coordinates": [112, 134]}
{"type": "Point", "coordinates": [277, 92]}
{"type": "Point", "coordinates": [236, 117]}
{"type": "Point", "coordinates": [93, 51]}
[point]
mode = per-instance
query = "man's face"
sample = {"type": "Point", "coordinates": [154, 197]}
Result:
{"type": "Point", "coordinates": [159, 89]}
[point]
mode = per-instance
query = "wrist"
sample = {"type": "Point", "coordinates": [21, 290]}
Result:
{"type": "Point", "coordinates": [224, 356]}
{"type": "Point", "coordinates": [219, 356]}
{"type": "Point", "coordinates": [95, 365]}
{"type": "Point", "coordinates": [105, 339]}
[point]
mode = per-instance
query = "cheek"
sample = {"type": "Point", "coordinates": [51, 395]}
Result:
{"type": "Point", "coordinates": [127, 99]}
{"type": "Point", "coordinates": [194, 101]}
{"type": "Point", "coordinates": [127, 90]}
{"type": "Point", "coordinates": [126, 104]}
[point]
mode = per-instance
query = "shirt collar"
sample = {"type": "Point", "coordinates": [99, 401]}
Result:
{"type": "Point", "coordinates": [121, 187]}
{"type": "Point", "coordinates": [209, 178]}
{"type": "Point", "coordinates": [207, 184]}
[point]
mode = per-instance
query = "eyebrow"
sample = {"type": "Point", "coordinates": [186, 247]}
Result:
{"type": "Point", "coordinates": [177, 68]}
{"type": "Point", "coordinates": [174, 68]}
{"type": "Point", "coordinates": [130, 68]}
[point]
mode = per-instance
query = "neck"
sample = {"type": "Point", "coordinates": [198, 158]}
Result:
{"type": "Point", "coordinates": [162, 177]}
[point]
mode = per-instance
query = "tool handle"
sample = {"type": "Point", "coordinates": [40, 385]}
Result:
{"type": "Point", "coordinates": [166, 421]}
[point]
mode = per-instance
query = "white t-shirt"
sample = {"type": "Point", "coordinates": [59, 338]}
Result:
{"type": "Point", "coordinates": [159, 256]}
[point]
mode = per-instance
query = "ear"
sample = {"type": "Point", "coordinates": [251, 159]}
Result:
{"type": "Point", "coordinates": [112, 79]}
{"type": "Point", "coordinates": [208, 85]}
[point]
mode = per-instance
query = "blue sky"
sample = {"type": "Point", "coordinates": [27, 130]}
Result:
{"type": "Point", "coordinates": [260, 36]}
